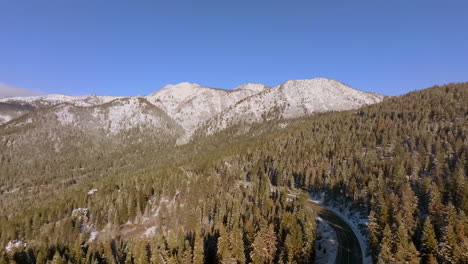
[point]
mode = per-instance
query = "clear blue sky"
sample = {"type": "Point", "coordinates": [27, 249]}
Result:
{"type": "Point", "coordinates": [135, 47]}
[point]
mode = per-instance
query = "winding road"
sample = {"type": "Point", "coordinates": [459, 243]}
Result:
{"type": "Point", "coordinates": [349, 250]}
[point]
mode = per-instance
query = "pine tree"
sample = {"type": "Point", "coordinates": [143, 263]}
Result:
{"type": "Point", "coordinates": [237, 244]}
{"type": "Point", "coordinates": [386, 247]}
{"type": "Point", "coordinates": [374, 234]}
{"type": "Point", "coordinates": [231, 246]}
{"type": "Point", "coordinates": [198, 250]}
{"type": "Point", "coordinates": [140, 253]}
{"type": "Point", "coordinates": [409, 208]}
{"type": "Point", "coordinates": [448, 244]}
{"type": "Point", "coordinates": [264, 245]}
{"type": "Point", "coordinates": [187, 255]}
{"type": "Point", "coordinates": [57, 259]}
{"type": "Point", "coordinates": [428, 242]}
{"type": "Point", "coordinates": [41, 255]}
{"type": "Point", "coordinates": [461, 187]}
{"type": "Point", "coordinates": [294, 244]}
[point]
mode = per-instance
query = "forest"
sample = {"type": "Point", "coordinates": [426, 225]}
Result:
{"type": "Point", "coordinates": [224, 198]}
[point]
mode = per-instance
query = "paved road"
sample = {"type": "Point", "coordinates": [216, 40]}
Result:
{"type": "Point", "coordinates": [349, 250]}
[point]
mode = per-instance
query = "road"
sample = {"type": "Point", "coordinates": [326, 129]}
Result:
{"type": "Point", "coordinates": [349, 250]}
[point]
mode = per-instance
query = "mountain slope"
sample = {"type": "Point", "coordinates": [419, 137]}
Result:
{"type": "Point", "coordinates": [55, 99]}
{"type": "Point", "coordinates": [11, 110]}
{"type": "Point", "coordinates": [110, 119]}
{"type": "Point", "coordinates": [192, 104]}
{"type": "Point", "coordinates": [402, 161]}
{"type": "Point", "coordinates": [292, 99]}
{"type": "Point", "coordinates": [23, 105]}
{"type": "Point", "coordinates": [76, 135]}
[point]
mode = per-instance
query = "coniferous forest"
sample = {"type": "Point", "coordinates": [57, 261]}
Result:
{"type": "Point", "coordinates": [226, 198]}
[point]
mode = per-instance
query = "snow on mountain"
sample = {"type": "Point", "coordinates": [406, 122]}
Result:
{"type": "Point", "coordinates": [5, 118]}
{"type": "Point", "coordinates": [171, 96]}
{"type": "Point", "coordinates": [114, 125]}
{"type": "Point", "coordinates": [188, 107]}
{"type": "Point", "coordinates": [25, 105]}
{"type": "Point", "coordinates": [54, 99]}
{"type": "Point", "coordinates": [294, 98]}
{"type": "Point", "coordinates": [191, 104]}
{"type": "Point", "coordinates": [129, 113]}
{"type": "Point", "coordinates": [254, 87]}
{"type": "Point", "coordinates": [119, 115]}
{"type": "Point", "coordinates": [10, 111]}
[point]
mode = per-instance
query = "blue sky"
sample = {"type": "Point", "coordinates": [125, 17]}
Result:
{"type": "Point", "coordinates": [136, 47]}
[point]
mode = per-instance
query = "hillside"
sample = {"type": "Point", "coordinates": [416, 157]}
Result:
{"type": "Point", "coordinates": [191, 104]}
{"type": "Point", "coordinates": [9, 111]}
{"type": "Point", "coordinates": [292, 99]}
{"type": "Point", "coordinates": [404, 160]}
{"type": "Point", "coordinates": [222, 197]}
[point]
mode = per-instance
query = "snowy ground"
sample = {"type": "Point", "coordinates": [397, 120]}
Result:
{"type": "Point", "coordinates": [93, 236]}
{"type": "Point", "coordinates": [354, 218]}
{"type": "Point", "coordinates": [326, 245]}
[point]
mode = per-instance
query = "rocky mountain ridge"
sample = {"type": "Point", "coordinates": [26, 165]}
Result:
{"type": "Point", "coordinates": [187, 108]}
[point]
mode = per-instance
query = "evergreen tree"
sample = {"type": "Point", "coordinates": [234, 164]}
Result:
{"type": "Point", "coordinates": [405, 251]}
{"type": "Point", "coordinates": [386, 254]}
{"type": "Point", "coordinates": [264, 246]}
{"type": "Point", "coordinates": [198, 251]}
{"type": "Point", "coordinates": [293, 244]}
{"type": "Point", "coordinates": [461, 187]}
{"type": "Point", "coordinates": [428, 242]}
{"type": "Point", "coordinates": [57, 259]}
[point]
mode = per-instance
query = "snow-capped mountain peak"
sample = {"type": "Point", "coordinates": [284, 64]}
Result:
{"type": "Point", "coordinates": [316, 84]}
{"type": "Point", "coordinates": [291, 99]}
{"type": "Point", "coordinates": [192, 104]}
{"type": "Point", "coordinates": [255, 87]}
{"type": "Point", "coordinates": [193, 107]}
{"type": "Point", "coordinates": [182, 89]}
{"type": "Point", "coordinates": [171, 96]}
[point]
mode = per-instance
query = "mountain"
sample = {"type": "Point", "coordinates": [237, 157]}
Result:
{"type": "Point", "coordinates": [75, 190]}
{"type": "Point", "coordinates": [87, 139]}
{"type": "Point", "coordinates": [191, 104]}
{"type": "Point", "coordinates": [97, 135]}
{"type": "Point", "coordinates": [294, 98]}
{"type": "Point", "coordinates": [87, 132]}
{"type": "Point", "coordinates": [54, 99]}
{"type": "Point", "coordinates": [121, 121]}
{"type": "Point", "coordinates": [18, 106]}
{"type": "Point", "coordinates": [208, 110]}
{"type": "Point", "coordinates": [9, 111]}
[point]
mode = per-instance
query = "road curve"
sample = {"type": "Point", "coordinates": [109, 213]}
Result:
{"type": "Point", "coordinates": [349, 250]}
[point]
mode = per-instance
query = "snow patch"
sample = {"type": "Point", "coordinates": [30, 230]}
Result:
{"type": "Point", "coordinates": [14, 190]}
{"type": "Point", "coordinates": [82, 215]}
{"type": "Point", "coordinates": [283, 125]}
{"type": "Point", "coordinates": [5, 118]}
{"type": "Point", "coordinates": [92, 191]}
{"type": "Point", "coordinates": [64, 116]}
{"type": "Point", "coordinates": [15, 245]}
{"type": "Point", "coordinates": [326, 246]}
{"type": "Point", "coordinates": [93, 236]}
{"type": "Point", "coordinates": [150, 231]}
